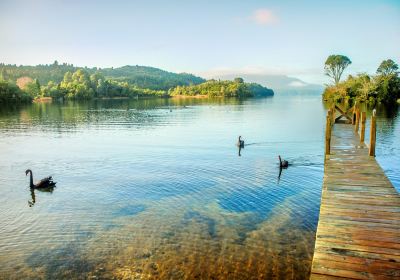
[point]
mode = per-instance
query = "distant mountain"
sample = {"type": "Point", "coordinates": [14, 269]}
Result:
{"type": "Point", "coordinates": [276, 82]}
{"type": "Point", "coordinates": [140, 76]}
{"type": "Point", "coordinates": [150, 77]}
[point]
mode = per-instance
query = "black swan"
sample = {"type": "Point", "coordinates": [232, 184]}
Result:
{"type": "Point", "coordinates": [240, 142]}
{"type": "Point", "coordinates": [283, 163]}
{"type": "Point", "coordinates": [44, 183]}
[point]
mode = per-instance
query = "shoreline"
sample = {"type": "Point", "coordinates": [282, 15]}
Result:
{"type": "Point", "coordinates": [191, 96]}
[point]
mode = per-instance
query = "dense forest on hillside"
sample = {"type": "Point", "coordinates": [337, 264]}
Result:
{"type": "Point", "coordinates": [149, 77]}
{"type": "Point", "coordinates": [65, 81]}
{"type": "Point", "coordinates": [138, 76]}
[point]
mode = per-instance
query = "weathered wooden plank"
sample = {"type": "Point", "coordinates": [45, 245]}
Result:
{"type": "Point", "coordinates": [316, 268]}
{"type": "Point", "coordinates": [363, 207]}
{"type": "Point", "coordinates": [357, 270]}
{"type": "Point", "coordinates": [388, 237]}
{"type": "Point", "coordinates": [354, 247]}
{"type": "Point", "coordinates": [358, 234]}
{"type": "Point", "coordinates": [395, 222]}
{"type": "Point", "coordinates": [354, 240]}
{"type": "Point", "coordinates": [356, 213]}
{"type": "Point", "coordinates": [356, 190]}
{"type": "Point", "coordinates": [315, 276]}
{"type": "Point", "coordinates": [359, 254]}
{"type": "Point", "coordinates": [358, 260]}
{"type": "Point", "coordinates": [362, 198]}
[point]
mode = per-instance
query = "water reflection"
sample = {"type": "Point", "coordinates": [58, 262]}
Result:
{"type": "Point", "coordinates": [239, 150]}
{"type": "Point", "coordinates": [280, 173]}
{"type": "Point", "coordinates": [32, 202]}
{"type": "Point", "coordinates": [152, 189]}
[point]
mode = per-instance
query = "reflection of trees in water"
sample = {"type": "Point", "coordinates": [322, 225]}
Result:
{"type": "Point", "coordinates": [67, 116]}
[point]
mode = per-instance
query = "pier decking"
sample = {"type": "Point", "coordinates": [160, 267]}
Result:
{"type": "Point", "coordinates": [358, 235]}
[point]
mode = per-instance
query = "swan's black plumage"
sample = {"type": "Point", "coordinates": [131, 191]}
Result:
{"type": "Point", "coordinates": [283, 163]}
{"type": "Point", "coordinates": [44, 183]}
{"type": "Point", "coordinates": [240, 142]}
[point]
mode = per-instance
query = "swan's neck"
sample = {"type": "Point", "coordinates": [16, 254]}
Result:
{"type": "Point", "coordinates": [31, 179]}
{"type": "Point", "coordinates": [280, 159]}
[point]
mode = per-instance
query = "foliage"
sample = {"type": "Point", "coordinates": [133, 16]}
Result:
{"type": "Point", "coordinates": [69, 82]}
{"type": "Point", "coordinates": [388, 67]}
{"type": "Point", "coordinates": [213, 88]}
{"type": "Point", "coordinates": [238, 80]}
{"type": "Point", "coordinates": [149, 77]}
{"type": "Point", "coordinates": [258, 90]}
{"type": "Point", "coordinates": [33, 88]}
{"type": "Point", "coordinates": [139, 76]}
{"type": "Point", "coordinates": [382, 88]}
{"type": "Point", "coordinates": [81, 85]}
{"type": "Point", "coordinates": [9, 92]}
{"type": "Point", "coordinates": [43, 73]}
{"type": "Point", "coordinates": [335, 65]}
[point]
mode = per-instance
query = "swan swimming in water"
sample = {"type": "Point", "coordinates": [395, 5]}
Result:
{"type": "Point", "coordinates": [240, 142]}
{"type": "Point", "coordinates": [44, 183]}
{"type": "Point", "coordinates": [283, 163]}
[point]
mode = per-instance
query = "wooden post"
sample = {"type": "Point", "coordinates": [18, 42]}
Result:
{"type": "Point", "coordinates": [333, 111]}
{"type": "Point", "coordinates": [353, 117]}
{"type": "Point", "coordinates": [372, 140]}
{"type": "Point", "coordinates": [329, 114]}
{"type": "Point", "coordinates": [357, 125]}
{"type": "Point", "coordinates": [362, 134]}
{"type": "Point", "coordinates": [328, 135]}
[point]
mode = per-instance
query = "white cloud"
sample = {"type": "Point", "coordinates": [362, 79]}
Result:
{"type": "Point", "coordinates": [264, 17]}
{"type": "Point", "coordinates": [297, 84]}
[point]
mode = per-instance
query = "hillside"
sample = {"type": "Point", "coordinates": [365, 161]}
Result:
{"type": "Point", "coordinates": [139, 76]}
{"type": "Point", "coordinates": [149, 77]}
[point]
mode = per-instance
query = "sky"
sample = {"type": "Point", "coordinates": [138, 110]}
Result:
{"type": "Point", "coordinates": [207, 38]}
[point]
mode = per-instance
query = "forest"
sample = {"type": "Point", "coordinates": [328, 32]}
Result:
{"type": "Point", "coordinates": [214, 88]}
{"type": "Point", "coordinates": [383, 87]}
{"type": "Point", "coordinates": [65, 81]}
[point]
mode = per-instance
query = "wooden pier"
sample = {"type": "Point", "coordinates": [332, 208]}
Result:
{"type": "Point", "coordinates": [358, 235]}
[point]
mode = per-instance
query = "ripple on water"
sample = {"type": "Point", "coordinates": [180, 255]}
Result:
{"type": "Point", "coordinates": [145, 193]}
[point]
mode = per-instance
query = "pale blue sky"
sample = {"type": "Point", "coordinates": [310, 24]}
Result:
{"type": "Point", "coordinates": [209, 38]}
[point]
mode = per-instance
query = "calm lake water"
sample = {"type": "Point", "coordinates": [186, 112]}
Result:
{"type": "Point", "coordinates": [156, 189]}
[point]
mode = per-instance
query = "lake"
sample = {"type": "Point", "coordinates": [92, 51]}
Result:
{"type": "Point", "coordinates": [157, 189]}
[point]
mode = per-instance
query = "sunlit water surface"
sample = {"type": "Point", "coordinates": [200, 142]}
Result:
{"type": "Point", "coordinates": [150, 189]}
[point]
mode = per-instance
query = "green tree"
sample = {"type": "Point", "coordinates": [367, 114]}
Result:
{"type": "Point", "coordinates": [33, 88]}
{"type": "Point", "coordinates": [388, 67]}
{"type": "Point", "coordinates": [10, 93]}
{"type": "Point", "coordinates": [3, 75]}
{"type": "Point", "coordinates": [335, 65]}
{"type": "Point", "coordinates": [238, 80]}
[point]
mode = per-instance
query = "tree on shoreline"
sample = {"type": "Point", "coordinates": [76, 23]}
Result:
{"type": "Point", "coordinates": [335, 65]}
{"type": "Point", "coordinates": [384, 87]}
{"type": "Point", "coordinates": [388, 67]}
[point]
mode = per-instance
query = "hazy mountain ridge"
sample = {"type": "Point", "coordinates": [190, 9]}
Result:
{"type": "Point", "coordinates": [276, 82]}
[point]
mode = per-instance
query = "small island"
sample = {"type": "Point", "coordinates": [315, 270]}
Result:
{"type": "Point", "coordinates": [213, 88]}
{"type": "Point", "coordinates": [21, 84]}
